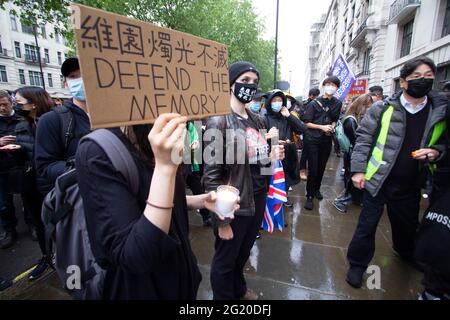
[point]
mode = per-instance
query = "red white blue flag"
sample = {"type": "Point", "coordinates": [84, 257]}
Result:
{"type": "Point", "coordinates": [273, 214]}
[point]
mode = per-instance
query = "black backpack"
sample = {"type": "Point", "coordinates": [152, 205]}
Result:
{"type": "Point", "coordinates": [65, 224]}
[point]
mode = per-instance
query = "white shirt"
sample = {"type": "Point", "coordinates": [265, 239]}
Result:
{"type": "Point", "coordinates": [409, 107]}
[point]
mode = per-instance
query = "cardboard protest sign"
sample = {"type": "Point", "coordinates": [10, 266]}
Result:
{"type": "Point", "coordinates": [134, 71]}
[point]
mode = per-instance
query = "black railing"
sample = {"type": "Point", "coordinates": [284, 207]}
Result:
{"type": "Point", "coordinates": [399, 5]}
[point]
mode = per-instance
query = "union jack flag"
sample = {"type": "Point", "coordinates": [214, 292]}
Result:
{"type": "Point", "coordinates": [273, 214]}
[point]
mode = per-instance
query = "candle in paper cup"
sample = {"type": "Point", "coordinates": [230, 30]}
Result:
{"type": "Point", "coordinates": [227, 198]}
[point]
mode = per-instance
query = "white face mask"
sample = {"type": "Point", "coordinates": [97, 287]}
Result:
{"type": "Point", "coordinates": [330, 90]}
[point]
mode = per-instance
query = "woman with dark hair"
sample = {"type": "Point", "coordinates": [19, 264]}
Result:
{"type": "Point", "coordinates": [241, 165]}
{"type": "Point", "coordinates": [31, 103]}
{"type": "Point", "coordinates": [350, 122]}
{"type": "Point", "coordinates": [143, 237]}
{"type": "Point", "coordinates": [279, 117]}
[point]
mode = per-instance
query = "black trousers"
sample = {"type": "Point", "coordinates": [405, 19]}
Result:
{"type": "Point", "coordinates": [318, 154]}
{"type": "Point", "coordinates": [304, 157]}
{"type": "Point", "coordinates": [403, 205]}
{"type": "Point", "coordinates": [227, 268]}
{"type": "Point", "coordinates": [32, 203]}
{"type": "Point", "coordinates": [348, 183]}
{"type": "Point", "coordinates": [194, 182]}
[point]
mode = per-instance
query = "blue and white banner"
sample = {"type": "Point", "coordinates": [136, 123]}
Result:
{"type": "Point", "coordinates": [342, 71]}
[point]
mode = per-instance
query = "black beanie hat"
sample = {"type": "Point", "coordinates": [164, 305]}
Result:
{"type": "Point", "coordinates": [332, 79]}
{"type": "Point", "coordinates": [240, 67]}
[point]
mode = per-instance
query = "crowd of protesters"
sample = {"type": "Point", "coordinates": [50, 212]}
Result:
{"type": "Point", "coordinates": [398, 145]}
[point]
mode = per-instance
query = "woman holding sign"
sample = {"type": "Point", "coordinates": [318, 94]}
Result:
{"type": "Point", "coordinates": [143, 236]}
{"type": "Point", "coordinates": [244, 171]}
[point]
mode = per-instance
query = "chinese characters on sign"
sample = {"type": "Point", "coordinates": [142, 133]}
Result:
{"type": "Point", "coordinates": [342, 71]}
{"type": "Point", "coordinates": [134, 71]}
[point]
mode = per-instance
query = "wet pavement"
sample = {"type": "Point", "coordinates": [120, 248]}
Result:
{"type": "Point", "coordinates": [305, 261]}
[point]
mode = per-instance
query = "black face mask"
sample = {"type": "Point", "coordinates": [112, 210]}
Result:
{"type": "Point", "coordinates": [18, 108]}
{"type": "Point", "coordinates": [419, 88]}
{"type": "Point", "coordinates": [244, 92]}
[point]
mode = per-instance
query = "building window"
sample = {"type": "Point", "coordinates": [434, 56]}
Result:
{"type": "Point", "coordinates": [397, 87]}
{"type": "Point", "coordinates": [446, 28]}
{"type": "Point", "coordinates": [43, 32]}
{"type": "Point", "coordinates": [366, 63]}
{"type": "Point", "coordinates": [18, 51]}
{"type": "Point", "coordinates": [50, 80]}
{"type": "Point", "coordinates": [59, 58]}
{"type": "Point", "coordinates": [3, 75]}
{"type": "Point", "coordinates": [27, 29]}
{"type": "Point", "coordinates": [13, 20]}
{"type": "Point", "coordinates": [407, 38]}
{"type": "Point", "coordinates": [57, 37]}
{"type": "Point", "coordinates": [35, 78]}
{"type": "Point", "coordinates": [22, 76]}
{"type": "Point", "coordinates": [61, 78]}
{"type": "Point", "coordinates": [442, 76]}
{"type": "Point", "coordinates": [31, 52]}
{"type": "Point", "coordinates": [46, 56]}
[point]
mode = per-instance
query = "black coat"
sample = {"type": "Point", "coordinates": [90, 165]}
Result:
{"type": "Point", "coordinates": [19, 127]}
{"type": "Point", "coordinates": [145, 262]}
{"type": "Point", "coordinates": [50, 153]}
{"type": "Point", "coordinates": [286, 127]}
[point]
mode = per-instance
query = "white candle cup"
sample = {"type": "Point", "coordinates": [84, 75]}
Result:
{"type": "Point", "coordinates": [227, 198]}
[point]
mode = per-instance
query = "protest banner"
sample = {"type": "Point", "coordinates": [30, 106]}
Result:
{"type": "Point", "coordinates": [134, 71]}
{"type": "Point", "coordinates": [344, 73]}
{"type": "Point", "coordinates": [358, 88]}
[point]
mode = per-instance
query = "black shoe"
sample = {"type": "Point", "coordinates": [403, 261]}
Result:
{"type": "Point", "coordinates": [425, 295]}
{"type": "Point", "coordinates": [258, 236]}
{"type": "Point", "coordinates": [318, 195]}
{"type": "Point", "coordinates": [288, 204]}
{"type": "Point", "coordinates": [40, 268]}
{"type": "Point", "coordinates": [309, 204]}
{"type": "Point", "coordinates": [5, 284]}
{"type": "Point", "coordinates": [342, 207]}
{"type": "Point", "coordinates": [355, 276]}
{"type": "Point", "coordinates": [9, 239]}
{"type": "Point", "coordinates": [207, 222]}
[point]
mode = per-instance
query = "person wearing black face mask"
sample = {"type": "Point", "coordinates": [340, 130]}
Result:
{"type": "Point", "coordinates": [397, 143]}
{"type": "Point", "coordinates": [32, 103]}
{"type": "Point", "coordinates": [235, 237]}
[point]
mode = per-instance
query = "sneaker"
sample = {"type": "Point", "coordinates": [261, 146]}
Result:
{"type": "Point", "coordinates": [250, 295]}
{"type": "Point", "coordinates": [355, 276]}
{"type": "Point", "coordinates": [425, 295]}
{"type": "Point", "coordinates": [207, 222]}
{"type": "Point", "coordinates": [258, 236]}
{"type": "Point", "coordinates": [5, 284]}
{"type": "Point", "coordinates": [309, 204]}
{"type": "Point", "coordinates": [288, 204]}
{"type": "Point", "coordinates": [39, 270]}
{"type": "Point", "coordinates": [342, 207]}
{"type": "Point", "coordinates": [9, 239]}
{"type": "Point", "coordinates": [318, 195]}
{"type": "Point", "coordinates": [344, 198]}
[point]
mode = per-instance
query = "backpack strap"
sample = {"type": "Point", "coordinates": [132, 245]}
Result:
{"type": "Point", "coordinates": [67, 125]}
{"type": "Point", "coordinates": [118, 154]}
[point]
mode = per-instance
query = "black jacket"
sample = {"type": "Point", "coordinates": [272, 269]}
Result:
{"type": "Point", "coordinates": [50, 153]}
{"type": "Point", "coordinates": [286, 127]}
{"type": "Point", "coordinates": [220, 173]}
{"type": "Point", "coordinates": [323, 112]}
{"type": "Point", "coordinates": [19, 127]}
{"type": "Point", "coordinates": [144, 262]}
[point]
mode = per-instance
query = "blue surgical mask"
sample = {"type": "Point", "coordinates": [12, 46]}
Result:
{"type": "Point", "coordinates": [76, 89]}
{"type": "Point", "coordinates": [276, 106]}
{"type": "Point", "coordinates": [255, 107]}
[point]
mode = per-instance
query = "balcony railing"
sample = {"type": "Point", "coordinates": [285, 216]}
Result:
{"type": "Point", "coordinates": [31, 59]}
{"type": "Point", "coordinates": [400, 9]}
{"type": "Point", "coordinates": [3, 52]}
